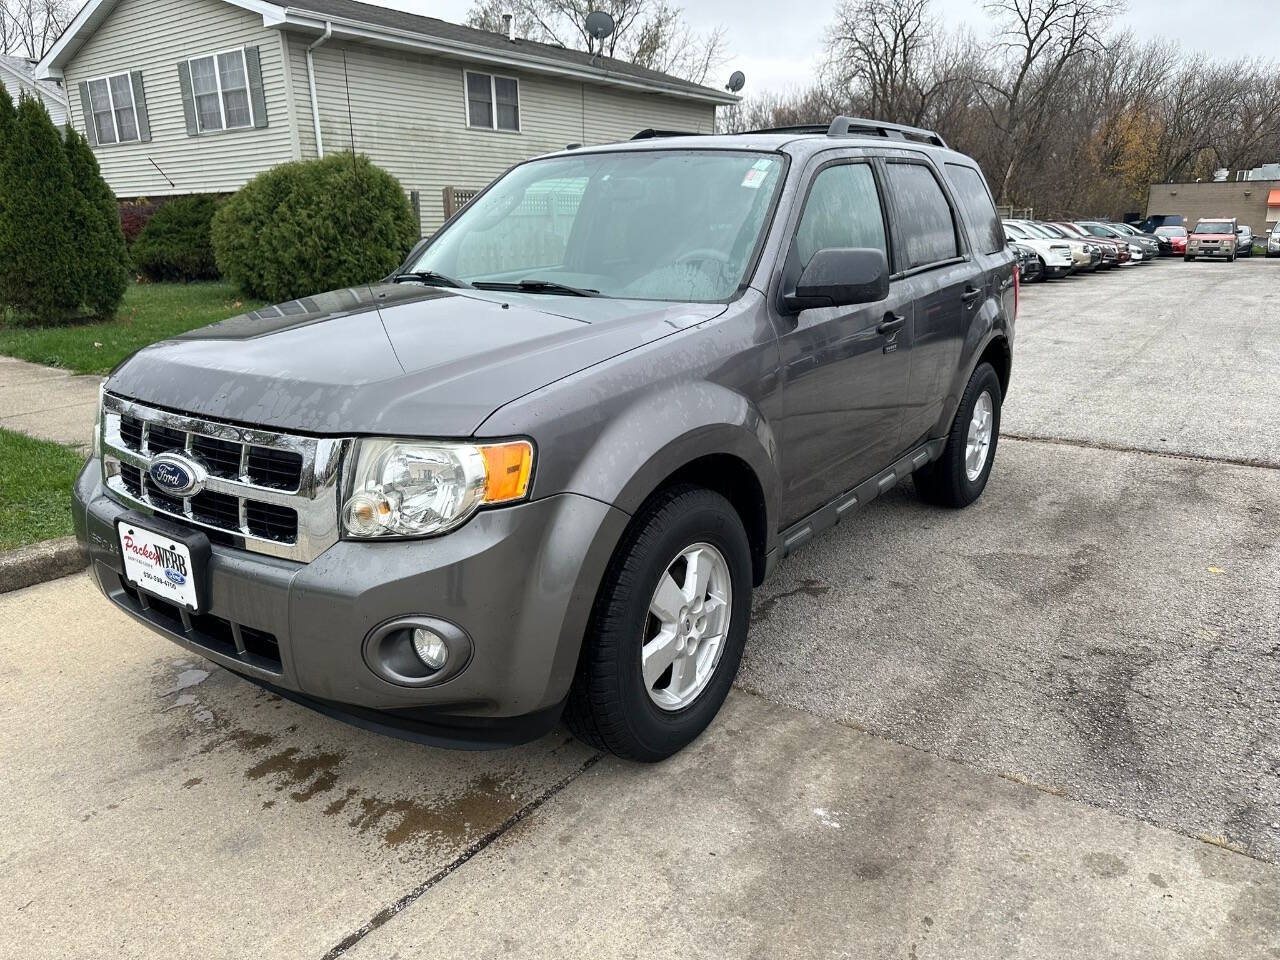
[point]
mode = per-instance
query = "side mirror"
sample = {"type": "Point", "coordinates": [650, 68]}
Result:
{"type": "Point", "coordinates": [841, 276]}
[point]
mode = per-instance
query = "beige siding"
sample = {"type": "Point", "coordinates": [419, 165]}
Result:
{"type": "Point", "coordinates": [408, 114]}
{"type": "Point", "coordinates": [16, 88]}
{"type": "Point", "coordinates": [1246, 200]}
{"type": "Point", "coordinates": [152, 36]}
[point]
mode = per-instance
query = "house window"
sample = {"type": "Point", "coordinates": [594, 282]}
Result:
{"type": "Point", "coordinates": [493, 103]}
{"type": "Point", "coordinates": [220, 87]}
{"type": "Point", "coordinates": [111, 107]}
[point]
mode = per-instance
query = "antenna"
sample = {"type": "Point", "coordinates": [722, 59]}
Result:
{"type": "Point", "coordinates": [599, 25]}
{"type": "Point", "coordinates": [737, 80]}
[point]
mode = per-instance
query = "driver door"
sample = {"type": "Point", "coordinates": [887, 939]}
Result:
{"type": "Point", "coordinates": [844, 369]}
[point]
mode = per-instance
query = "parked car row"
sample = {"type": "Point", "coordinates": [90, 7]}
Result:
{"type": "Point", "coordinates": [1048, 249]}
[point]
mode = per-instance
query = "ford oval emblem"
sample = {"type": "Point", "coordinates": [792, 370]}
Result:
{"type": "Point", "coordinates": [175, 577]}
{"type": "Point", "coordinates": [176, 476]}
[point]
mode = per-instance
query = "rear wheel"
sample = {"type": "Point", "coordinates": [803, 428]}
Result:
{"type": "Point", "coordinates": [667, 630]}
{"type": "Point", "coordinates": [958, 477]}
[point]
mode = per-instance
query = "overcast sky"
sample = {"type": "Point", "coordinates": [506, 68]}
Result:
{"type": "Point", "coordinates": [779, 52]}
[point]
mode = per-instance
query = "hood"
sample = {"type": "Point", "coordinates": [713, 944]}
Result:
{"type": "Point", "coordinates": [394, 359]}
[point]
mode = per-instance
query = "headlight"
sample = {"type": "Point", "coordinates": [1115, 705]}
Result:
{"type": "Point", "coordinates": [411, 488]}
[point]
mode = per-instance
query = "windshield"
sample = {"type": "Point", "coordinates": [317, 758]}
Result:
{"type": "Point", "coordinates": [1098, 230]}
{"type": "Point", "coordinates": [1171, 231]}
{"type": "Point", "coordinates": [1214, 226]}
{"type": "Point", "coordinates": [1053, 231]}
{"type": "Point", "coordinates": [652, 225]}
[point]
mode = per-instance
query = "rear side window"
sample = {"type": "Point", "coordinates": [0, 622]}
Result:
{"type": "Point", "coordinates": [975, 201]}
{"type": "Point", "coordinates": [926, 226]}
{"type": "Point", "coordinates": [843, 210]}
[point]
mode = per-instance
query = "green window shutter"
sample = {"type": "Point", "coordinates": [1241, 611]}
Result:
{"type": "Point", "coordinates": [140, 106]}
{"type": "Point", "coordinates": [188, 100]}
{"type": "Point", "coordinates": [253, 63]}
{"type": "Point", "coordinates": [86, 111]}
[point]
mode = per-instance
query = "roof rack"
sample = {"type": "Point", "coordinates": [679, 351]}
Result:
{"type": "Point", "coordinates": [857, 126]}
{"type": "Point", "coordinates": [650, 133]}
{"type": "Point", "coordinates": [850, 126]}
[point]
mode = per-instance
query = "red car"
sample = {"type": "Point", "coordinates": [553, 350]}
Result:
{"type": "Point", "coordinates": [1177, 237]}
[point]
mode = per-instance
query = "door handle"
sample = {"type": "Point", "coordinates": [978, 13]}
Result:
{"type": "Point", "coordinates": [970, 294]}
{"type": "Point", "coordinates": [890, 323]}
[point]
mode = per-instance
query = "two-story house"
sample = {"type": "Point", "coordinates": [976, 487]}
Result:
{"type": "Point", "coordinates": [198, 96]}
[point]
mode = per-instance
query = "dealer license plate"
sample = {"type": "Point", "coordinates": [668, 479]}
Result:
{"type": "Point", "coordinates": [158, 564]}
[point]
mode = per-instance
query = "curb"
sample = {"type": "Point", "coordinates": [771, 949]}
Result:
{"type": "Point", "coordinates": [39, 562]}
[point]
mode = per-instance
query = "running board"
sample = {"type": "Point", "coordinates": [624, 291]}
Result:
{"type": "Point", "coordinates": [849, 502]}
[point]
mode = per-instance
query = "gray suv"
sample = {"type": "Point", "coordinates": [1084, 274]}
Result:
{"type": "Point", "coordinates": [538, 472]}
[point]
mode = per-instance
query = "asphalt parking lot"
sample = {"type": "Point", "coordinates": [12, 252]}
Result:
{"type": "Point", "coordinates": [1045, 726]}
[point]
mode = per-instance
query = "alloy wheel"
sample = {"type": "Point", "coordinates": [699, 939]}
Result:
{"type": "Point", "coordinates": [686, 627]}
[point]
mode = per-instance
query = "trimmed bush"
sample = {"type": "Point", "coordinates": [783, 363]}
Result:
{"type": "Point", "coordinates": [41, 260]}
{"type": "Point", "coordinates": [176, 243]}
{"type": "Point", "coordinates": [8, 116]}
{"type": "Point", "coordinates": [315, 225]}
{"type": "Point", "coordinates": [96, 226]}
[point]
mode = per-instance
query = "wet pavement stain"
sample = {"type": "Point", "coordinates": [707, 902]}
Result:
{"type": "Point", "coordinates": [811, 588]}
{"type": "Point", "coordinates": [486, 803]}
{"type": "Point", "coordinates": [291, 767]}
{"type": "Point", "coordinates": [192, 782]}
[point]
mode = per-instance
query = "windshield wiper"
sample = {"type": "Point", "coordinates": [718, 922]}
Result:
{"type": "Point", "coordinates": [429, 277]}
{"type": "Point", "coordinates": [537, 286]}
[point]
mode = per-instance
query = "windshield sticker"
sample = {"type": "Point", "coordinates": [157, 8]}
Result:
{"type": "Point", "coordinates": [754, 178]}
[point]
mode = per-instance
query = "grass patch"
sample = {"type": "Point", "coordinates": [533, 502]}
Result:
{"type": "Point", "coordinates": [35, 489]}
{"type": "Point", "coordinates": [150, 312]}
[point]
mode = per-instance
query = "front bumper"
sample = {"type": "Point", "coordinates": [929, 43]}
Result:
{"type": "Point", "coordinates": [519, 581]}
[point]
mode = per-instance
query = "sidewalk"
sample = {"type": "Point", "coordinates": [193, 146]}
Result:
{"type": "Point", "coordinates": [48, 403]}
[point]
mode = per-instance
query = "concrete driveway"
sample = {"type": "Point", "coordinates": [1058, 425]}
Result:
{"type": "Point", "coordinates": [1002, 732]}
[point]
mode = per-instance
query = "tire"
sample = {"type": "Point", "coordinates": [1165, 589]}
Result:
{"type": "Point", "coordinates": [1187, 259]}
{"type": "Point", "coordinates": [946, 482]}
{"type": "Point", "coordinates": [610, 706]}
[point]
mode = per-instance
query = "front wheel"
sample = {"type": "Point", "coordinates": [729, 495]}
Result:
{"type": "Point", "coordinates": [667, 629]}
{"type": "Point", "coordinates": [958, 477]}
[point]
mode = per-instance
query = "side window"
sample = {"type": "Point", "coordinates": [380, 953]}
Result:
{"type": "Point", "coordinates": [927, 227]}
{"type": "Point", "coordinates": [843, 210]}
{"type": "Point", "coordinates": [975, 199]}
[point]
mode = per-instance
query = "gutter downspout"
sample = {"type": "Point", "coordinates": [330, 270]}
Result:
{"type": "Point", "coordinates": [311, 82]}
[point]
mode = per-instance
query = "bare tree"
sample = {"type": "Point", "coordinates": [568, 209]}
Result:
{"type": "Point", "coordinates": [1039, 39]}
{"type": "Point", "coordinates": [29, 27]}
{"type": "Point", "coordinates": [651, 33]}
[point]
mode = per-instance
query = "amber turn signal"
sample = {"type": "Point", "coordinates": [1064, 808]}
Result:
{"type": "Point", "coordinates": [508, 467]}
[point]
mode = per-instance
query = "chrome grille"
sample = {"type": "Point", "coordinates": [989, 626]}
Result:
{"type": "Point", "coordinates": [267, 492]}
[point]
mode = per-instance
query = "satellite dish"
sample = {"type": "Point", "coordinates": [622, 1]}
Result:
{"type": "Point", "coordinates": [599, 24]}
{"type": "Point", "coordinates": [737, 80]}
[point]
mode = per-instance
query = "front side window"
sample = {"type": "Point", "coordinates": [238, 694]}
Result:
{"type": "Point", "coordinates": [975, 199]}
{"type": "Point", "coordinates": [493, 102]}
{"type": "Point", "coordinates": [679, 225]}
{"type": "Point", "coordinates": [843, 210]}
{"type": "Point", "coordinates": [220, 87]}
{"type": "Point", "coordinates": [927, 226]}
{"type": "Point", "coordinates": [113, 117]}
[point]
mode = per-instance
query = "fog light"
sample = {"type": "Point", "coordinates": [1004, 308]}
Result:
{"type": "Point", "coordinates": [430, 648]}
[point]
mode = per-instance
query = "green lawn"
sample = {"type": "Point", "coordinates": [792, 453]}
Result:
{"type": "Point", "coordinates": [150, 312]}
{"type": "Point", "coordinates": [35, 489]}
